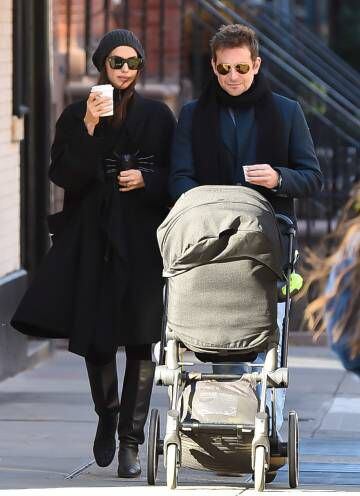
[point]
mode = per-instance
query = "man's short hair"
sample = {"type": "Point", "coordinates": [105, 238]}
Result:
{"type": "Point", "coordinates": [235, 36]}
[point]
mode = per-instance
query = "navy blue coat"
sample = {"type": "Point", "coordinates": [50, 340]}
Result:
{"type": "Point", "coordinates": [301, 178]}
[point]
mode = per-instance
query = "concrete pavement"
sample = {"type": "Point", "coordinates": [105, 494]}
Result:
{"type": "Point", "coordinates": [47, 425]}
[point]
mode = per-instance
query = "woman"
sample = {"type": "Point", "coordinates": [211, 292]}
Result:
{"type": "Point", "coordinates": [100, 285]}
{"type": "Point", "coordinates": [336, 277]}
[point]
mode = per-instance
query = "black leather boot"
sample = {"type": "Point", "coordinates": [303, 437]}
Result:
{"type": "Point", "coordinates": [129, 461]}
{"type": "Point", "coordinates": [104, 390]}
{"type": "Point", "coordinates": [135, 402]}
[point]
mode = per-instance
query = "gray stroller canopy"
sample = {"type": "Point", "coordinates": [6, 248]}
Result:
{"type": "Point", "coordinates": [219, 224]}
{"type": "Point", "coordinates": [221, 250]}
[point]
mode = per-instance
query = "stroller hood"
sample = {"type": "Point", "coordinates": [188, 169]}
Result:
{"type": "Point", "coordinates": [214, 224]}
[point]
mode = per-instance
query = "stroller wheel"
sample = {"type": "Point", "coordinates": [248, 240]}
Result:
{"type": "Point", "coordinates": [171, 466]}
{"type": "Point", "coordinates": [259, 470]}
{"type": "Point", "coordinates": [293, 449]}
{"type": "Point", "coordinates": [153, 447]}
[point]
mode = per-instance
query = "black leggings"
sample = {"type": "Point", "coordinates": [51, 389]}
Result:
{"type": "Point", "coordinates": [133, 352]}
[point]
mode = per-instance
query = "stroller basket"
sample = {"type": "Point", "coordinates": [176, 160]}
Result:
{"type": "Point", "coordinates": [222, 449]}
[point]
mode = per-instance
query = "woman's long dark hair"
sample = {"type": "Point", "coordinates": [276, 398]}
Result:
{"type": "Point", "coordinates": [121, 101]}
{"type": "Point", "coordinates": [343, 240]}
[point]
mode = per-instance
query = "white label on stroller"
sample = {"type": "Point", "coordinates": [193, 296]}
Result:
{"type": "Point", "coordinates": [214, 402]}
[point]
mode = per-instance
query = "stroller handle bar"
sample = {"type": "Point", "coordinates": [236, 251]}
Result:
{"type": "Point", "coordinates": [285, 220]}
{"type": "Point", "coordinates": [291, 233]}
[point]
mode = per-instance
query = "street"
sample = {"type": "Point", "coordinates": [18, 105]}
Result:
{"type": "Point", "coordinates": [47, 426]}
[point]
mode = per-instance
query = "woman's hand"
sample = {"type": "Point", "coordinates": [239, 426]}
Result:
{"type": "Point", "coordinates": [130, 179]}
{"type": "Point", "coordinates": [96, 105]}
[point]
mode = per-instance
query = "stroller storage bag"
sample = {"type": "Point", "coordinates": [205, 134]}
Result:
{"type": "Point", "coordinates": [218, 403]}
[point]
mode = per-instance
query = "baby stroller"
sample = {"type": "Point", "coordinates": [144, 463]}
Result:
{"type": "Point", "coordinates": [222, 248]}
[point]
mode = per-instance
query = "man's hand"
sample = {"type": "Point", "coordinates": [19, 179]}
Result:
{"type": "Point", "coordinates": [130, 179]}
{"type": "Point", "coordinates": [262, 175]}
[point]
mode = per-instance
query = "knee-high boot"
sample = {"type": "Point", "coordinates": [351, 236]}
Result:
{"type": "Point", "coordinates": [104, 390]}
{"type": "Point", "coordinates": [135, 402]}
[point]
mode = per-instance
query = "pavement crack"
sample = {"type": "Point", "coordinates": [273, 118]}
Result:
{"type": "Point", "coordinates": [79, 470]}
{"type": "Point", "coordinates": [31, 470]}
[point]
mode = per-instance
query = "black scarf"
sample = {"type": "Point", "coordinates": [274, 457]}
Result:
{"type": "Point", "coordinates": [271, 147]}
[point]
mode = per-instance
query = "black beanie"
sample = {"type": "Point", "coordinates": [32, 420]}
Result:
{"type": "Point", "coordinates": [113, 39]}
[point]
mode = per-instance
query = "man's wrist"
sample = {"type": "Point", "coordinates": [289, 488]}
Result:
{"type": "Point", "coordinates": [279, 183]}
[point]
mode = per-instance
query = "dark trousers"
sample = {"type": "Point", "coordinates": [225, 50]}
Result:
{"type": "Point", "coordinates": [136, 392]}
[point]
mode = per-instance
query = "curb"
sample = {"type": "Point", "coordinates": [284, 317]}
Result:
{"type": "Point", "coordinates": [38, 350]}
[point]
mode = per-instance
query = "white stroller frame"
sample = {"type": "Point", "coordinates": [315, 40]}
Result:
{"type": "Point", "coordinates": [267, 451]}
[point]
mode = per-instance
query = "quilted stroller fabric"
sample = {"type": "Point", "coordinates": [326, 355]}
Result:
{"type": "Point", "coordinates": [222, 253]}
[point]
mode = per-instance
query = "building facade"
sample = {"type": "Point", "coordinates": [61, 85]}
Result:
{"type": "Point", "coordinates": [13, 347]}
{"type": "Point", "coordinates": [25, 80]}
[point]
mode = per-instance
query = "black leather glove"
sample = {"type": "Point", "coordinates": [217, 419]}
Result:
{"type": "Point", "coordinates": [145, 164]}
{"type": "Point", "coordinates": [126, 161]}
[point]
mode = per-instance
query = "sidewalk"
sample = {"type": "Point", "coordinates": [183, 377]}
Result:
{"type": "Point", "coordinates": [47, 425]}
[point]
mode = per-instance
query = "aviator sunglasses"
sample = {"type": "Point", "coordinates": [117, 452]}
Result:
{"type": "Point", "coordinates": [224, 69]}
{"type": "Point", "coordinates": [134, 63]}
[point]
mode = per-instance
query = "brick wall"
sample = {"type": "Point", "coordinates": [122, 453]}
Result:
{"type": "Point", "coordinates": [170, 53]}
{"type": "Point", "coordinates": [9, 153]}
{"type": "Point", "coordinates": [170, 28]}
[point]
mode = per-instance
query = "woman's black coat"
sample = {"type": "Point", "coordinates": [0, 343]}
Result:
{"type": "Point", "coordinates": [100, 285]}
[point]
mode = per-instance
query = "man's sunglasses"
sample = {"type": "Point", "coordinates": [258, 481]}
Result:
{"type": "Point", "coordinates": [224, 69]}
{"type": "Point", "coordinates": [134, 63]}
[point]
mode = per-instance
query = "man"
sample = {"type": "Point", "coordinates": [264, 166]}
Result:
{"type": "Point", "coordinates": [238, 122]}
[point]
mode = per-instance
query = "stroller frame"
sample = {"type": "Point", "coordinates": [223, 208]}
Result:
{"type": "Point", "coordinates": [268, 453]}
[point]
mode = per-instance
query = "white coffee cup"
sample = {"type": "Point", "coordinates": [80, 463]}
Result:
{"type": "Point", "coordinates": [245, 169]}
{"type": "Point", "coordinates": [105, 90]}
